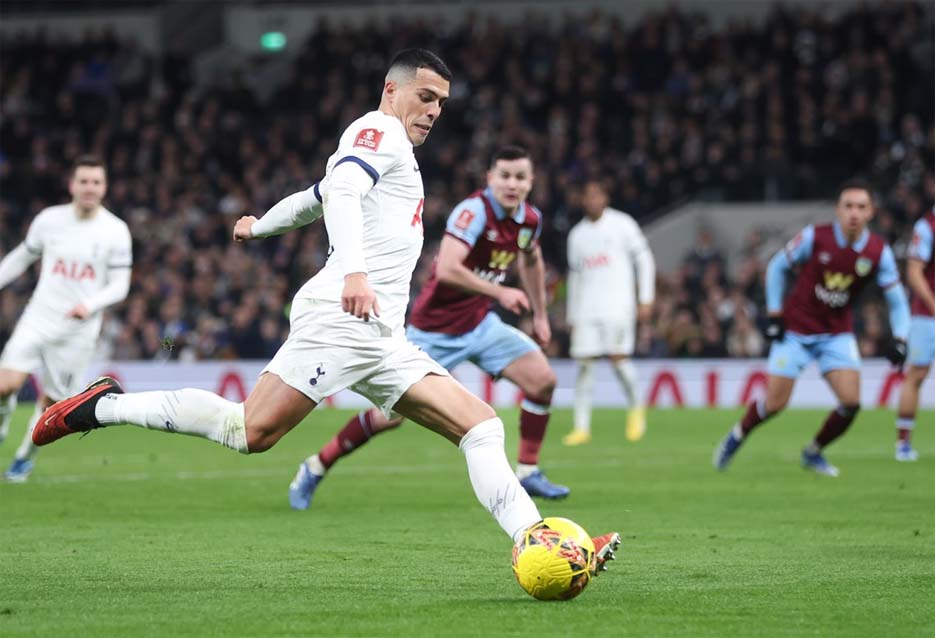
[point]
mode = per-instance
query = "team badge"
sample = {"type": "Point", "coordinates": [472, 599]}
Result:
{"type": "Point", "coordinates": [863, 266]}
{"type": "Point", "coordinates": [525, 236]}
{"type": "Point", "coordinates": [369, 138]}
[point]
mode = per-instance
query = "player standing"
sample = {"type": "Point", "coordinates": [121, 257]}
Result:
{"type": "Point", "coordinates": [452, 319]}
{"type": "Point", "coordinates": [920, 274]}
{"type": "Point", "coordinates": [604, 248]}
{"type": "Point", "coordinates": [815, 322]}
{"type": "Point", "coordinates": [86, 263]}
{"type": "Point", "coordinates": [346, 323]}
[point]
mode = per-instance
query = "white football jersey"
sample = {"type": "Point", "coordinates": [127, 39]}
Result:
{"type": "Point", "coordinates": [392, 215]}
{"type": "Point", "coordinates": [77, 255]}
{"type": "Point", "coordinates": [602, 256]}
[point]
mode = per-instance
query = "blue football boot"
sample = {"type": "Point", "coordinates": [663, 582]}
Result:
{"type": "Point", "coordinates": [536, 484]}
{"type": "Point", "coordinates": [303, 487]}
{"type": "Point", "coordinates": [725, 450]}
{"type": "Point", "coordinates": [818, 463]}
{"type": "Point", "coordinates": [19, 471]}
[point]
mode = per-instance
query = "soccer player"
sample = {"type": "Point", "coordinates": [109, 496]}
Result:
{"type": "Point", "coordinates": [86, 262]}
{"type": "Point", "coordinates": [920, 274]}
{"type": "Point", "coordinates": [604, 248]}
{"type": "Point", "coordinates": [815, 322]}
{"type": "Point", "coordinates": [452, 319]}
{"type": "Point", "coordinates": [346, 322]}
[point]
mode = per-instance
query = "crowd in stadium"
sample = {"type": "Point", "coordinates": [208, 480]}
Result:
{"type": "Point", "coordinates": [666, 109]}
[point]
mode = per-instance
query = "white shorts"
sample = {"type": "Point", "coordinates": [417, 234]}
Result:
{"type": "Point", "coordinates": [601, 338]}
{"type": "Point", "coordinates": [329, 350]}
{"type": "Point", "coordinates": [61, 363]}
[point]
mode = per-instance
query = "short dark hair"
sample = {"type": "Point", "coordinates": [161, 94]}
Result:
{"type": "Point", "coordinates": [509, 152]}
{"type": "Point", "coordinates": [857, 183]}
{"type": "Point", "coordinates": [416, 59]}
{"type": "Point", "coordinates": [89, 161]}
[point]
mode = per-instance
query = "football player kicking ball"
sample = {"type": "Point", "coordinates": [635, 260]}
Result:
{"type": "Point", "coordinates": [836, 261]}
{"type": "Point", "coordinates": [347, 321]}
{"type": "Point", "coordinates": [86, 262]}
{"type": "Point", "coordinates": [920, 274]}
{"type": "Point", "coordinates": [452, 320]}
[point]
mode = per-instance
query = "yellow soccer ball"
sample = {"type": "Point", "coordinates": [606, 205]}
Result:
{"type": "Point", "coordinates": [554, 560]}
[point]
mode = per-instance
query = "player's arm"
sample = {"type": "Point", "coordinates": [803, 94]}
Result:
{"type": "Point", "coordinates": [573, 281]}
{"type": "Point", "coordinates": [532, 276]}
{"type": "Point", "coordinates": [645, 265]}
{"type": "Point", "coordinates": [294, 211]}
{"type": "Point", "coordinates": [345, 225]}
{"type": "Point", "coordinates": [15, 263]}
{"type": "Point", "coordinates": [119, 269]}
{"type": "Point", "coordinates": [796, 251]}
{"type": "Point", "coordinates": [451, 271]}
{"type": "Point", "coordinates": [895, 295]}
{"type": "Point", "coordinates": [920, 252]}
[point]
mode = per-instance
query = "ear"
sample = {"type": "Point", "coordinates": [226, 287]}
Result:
{"type": "Point", "coordinates": [390, 87]}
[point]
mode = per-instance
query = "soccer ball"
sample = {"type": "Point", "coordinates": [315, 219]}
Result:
{"type": "Point", "coordinates": [554, 560]}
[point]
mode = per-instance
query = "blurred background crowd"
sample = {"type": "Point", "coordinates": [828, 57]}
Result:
{"type": "Point", "coordinates": [667, 109]}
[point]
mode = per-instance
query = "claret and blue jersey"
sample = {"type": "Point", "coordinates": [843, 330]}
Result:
{"type": "Point", "coordinates": [922, 331]}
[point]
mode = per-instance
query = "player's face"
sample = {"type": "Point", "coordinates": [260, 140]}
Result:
{"type": "Point", "coordinates": [418, 103]}
{"type": "Point", "coordinates": [510, 181]}
{"type": "Point", "coordinates": [854, 210]}
{"type": "Point", "coordinates": [87, 187]}
{"type": "Point", "coordinates": [594, 200]}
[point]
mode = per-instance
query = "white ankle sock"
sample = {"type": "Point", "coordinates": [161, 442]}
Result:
{"type": "Point", "coordinates": [315, 465]}
{"type": "Point", "coordinates": [626, 374]}
{"type": "Point", "coordinates": [27, 449]}
{"type": "Point", "coordinates": [495, 484]}
{"type": "Point", "coordinates": [584, 388]}
{"type": "Point", "coordinates": [188, 411]}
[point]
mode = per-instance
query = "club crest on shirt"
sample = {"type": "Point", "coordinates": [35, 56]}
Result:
{"type": "Point", "coordinates": [524, 237]}
{"type": "Point", "coordinates": [465, 217]}
{"type": "Point", "coordinates": [863, 266]}
{"type": "Point", "coordinates": [369, 138]}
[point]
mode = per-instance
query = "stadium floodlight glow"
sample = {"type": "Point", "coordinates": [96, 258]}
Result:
{"type": "Point", "coordinates": [273, 41]}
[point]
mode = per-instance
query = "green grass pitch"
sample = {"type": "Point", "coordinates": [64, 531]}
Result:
{"type": "Point", "coordinates": [132, 533]}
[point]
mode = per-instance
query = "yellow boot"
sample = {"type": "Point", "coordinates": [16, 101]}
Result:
{"type": "Point", "coordinates": [636, 424]}
{"type": "Point", "coordinates": [576, 437]}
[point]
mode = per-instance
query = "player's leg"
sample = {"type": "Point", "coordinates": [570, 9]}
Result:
{"type": "Point", "coordinates": [839, 360]}
{"type": "Point", "coordinates": [355, 433]}
{"type": "Point", "coordinates": [787, 359]}
{"type": "Point", "coordinates": [921, 354]}
{"type": "Point", "coordinates": [625, 372]}
{"type": "Point", "coordinates": [584, 394]}
{"type": "Point", "coordinates": [23, 463]}
{"type": "Point", "coordinates": [10, 383]}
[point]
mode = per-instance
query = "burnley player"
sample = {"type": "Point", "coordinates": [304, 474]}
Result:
{"type": "Point", "coordinates": [346, 323]}
{"type": "Point", "coordinates": [920, 274]}
{"type": "Point", "coordinates": [815, 322]}
{"type": "Point", "coordinates": [86, 260]}
{"type": "Point", "coordinates": [452, 319]}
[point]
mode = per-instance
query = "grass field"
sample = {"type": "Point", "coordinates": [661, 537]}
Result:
{"type": "Point", "coordinates": [131, 533]}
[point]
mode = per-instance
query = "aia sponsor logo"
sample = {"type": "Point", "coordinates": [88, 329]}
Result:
{"type": "Point", "coordinates": [596, 261]}
{"type": "Point", "coordinates": [74, 270]}
{"type": "Point", "coordinates": [369, 138]}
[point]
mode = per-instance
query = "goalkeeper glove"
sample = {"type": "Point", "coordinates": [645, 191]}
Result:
{"type": "Point", "coordinates": [896, 352]}
{"type": "Point", "coordinates": [775, 330]}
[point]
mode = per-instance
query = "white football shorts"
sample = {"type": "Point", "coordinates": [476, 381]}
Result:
{"type": "Point", "coordinates": [601, 338]}
{"type": "Point", "coordinates": [329, 350]}
{"type": "Point", "coordinates": [61, 363]}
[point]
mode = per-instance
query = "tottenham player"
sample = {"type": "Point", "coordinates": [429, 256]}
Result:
{"type": "Point", "coordinates": [604, 249]}
{"type": "Point", "coordinates": [347, 321]}
{"type": "Point", "coordinates": [920, 274]}
{"type": "Point", "coordinates": [815, 322]}
{"type": "Point", "coordinates": [452, 319]}
{"type": "Point", "coordinates": [86, 260]}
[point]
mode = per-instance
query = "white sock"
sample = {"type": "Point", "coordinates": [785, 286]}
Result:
{"type": "Point", "coordinates": [188, 411]}
{"type": "Point", "coordinates": [584, 389]}
{"type": "Point", "coordinates": [7, 408]}
{"type": "Point", "coordinates": [27, 449]}
{"type": "Point", "coordinates": [495, 484]}
{"type": "Point", "coordinates": [626, 374]}
{"type": "Point", "coordinates": [523, 470]}
{"type": "Point", "coordinates": [315, 465]}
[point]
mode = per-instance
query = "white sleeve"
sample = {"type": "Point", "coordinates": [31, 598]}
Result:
{"type": "Point", "coordinates": [115, 291]}
{"type": "Point", "coordinates": [289, 213]}
{"type": "Point", "coordinates": [642, 258]}
{"type": "Point", "coordinates": [343, 216]}
{"type": "Point", "coordinates": [373, 150]}
{"type": "Point", "coordinates": [15, 263]}
{"type": "Point", "coordinates": [571, 309]}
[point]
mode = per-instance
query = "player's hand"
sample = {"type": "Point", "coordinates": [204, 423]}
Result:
{"type": "Point", "coordinates": [358, 298]}
{"type": "Point", "coordinates": [80, 311]}
{"type": "Point", "coordinates": [896, 352]}
{"type": "Point", "coordinates": [243, 229]}
{"type": "Point", "coordinates": [513, 299]}
{"type": "Point", "coordinates": [775, 329]}
{"type": "Point", "coordinates": [541, 330]}
{"type": "Point", "coordinates": [644, 312]}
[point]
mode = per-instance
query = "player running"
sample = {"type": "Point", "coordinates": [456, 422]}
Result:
{"type": "Point", "coordinates": [86, 256]}
{"type": "Point", "coordinates": [815, 322]}
{"type": "Point", "coordinates": [920, 274]}
{"type": "Point", "coordinates": [346, 323]}
{"type": "Point", "coordinates": [452, 319]}
{"type": "Point", "coordinates": [604, 248]}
